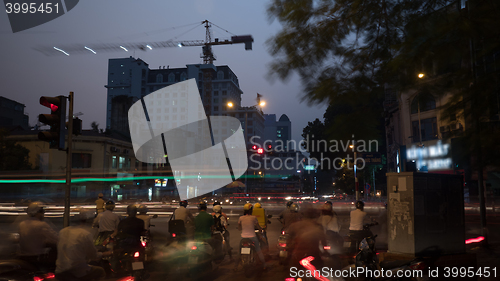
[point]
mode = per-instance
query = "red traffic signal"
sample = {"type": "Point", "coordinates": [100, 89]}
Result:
{"type": "Point", "coordinates": [56, 120]}
{"type": "Point", "coordinates": [254, 147]}
{"type": "Point", "coordinates": [260, 151]}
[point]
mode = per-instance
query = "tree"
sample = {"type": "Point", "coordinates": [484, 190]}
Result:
{"type": "Point", "coordinates": [12, 156]}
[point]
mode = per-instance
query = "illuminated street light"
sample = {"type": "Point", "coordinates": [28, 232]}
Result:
{"type": "Point", "coordinates": [262, 103]}
{"type": "Point", "coordinates": [229, 104]}
{"type": "Point", "coordinates": [421, 75]}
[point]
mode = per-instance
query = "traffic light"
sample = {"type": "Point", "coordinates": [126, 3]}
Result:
{"type": "Point", "coordinates": [77, 126]}
{"type": "Point", "coordinates": [260, 150]}
{"type": "Point", "coordinates": [56, 120]}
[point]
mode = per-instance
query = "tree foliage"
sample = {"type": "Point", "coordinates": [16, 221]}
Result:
{"type": "Point", "coordinates": [12, 156]}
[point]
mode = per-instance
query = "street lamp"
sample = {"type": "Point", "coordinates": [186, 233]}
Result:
{"type": "Point", "coordinates": [356, 183]}
{"type": "Point", "coordinates": [260, 103]}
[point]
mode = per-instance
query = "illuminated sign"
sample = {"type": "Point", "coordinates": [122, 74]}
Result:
{"type": "Point", "coordinates": [434, 157]}
{"type": "Point", "coordinates": [309, 167]}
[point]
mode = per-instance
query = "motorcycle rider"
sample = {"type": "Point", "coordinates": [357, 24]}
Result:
{"type": "Point", "coordinates": [291, 216]}
{"type": "Point", "coordinates": [99, 203]}
{"type": "Point", "coordinates": [247, 225]}
{"type": "Point", "coordinates": [143, 215]}
{"type": "Point", "coordinates": [305, 238]}
{"type": "Point", "coordinates": [218, 215]}
{"type": "Point", "coordinates": [34, 234]}
{"type": "Point", "coordinates": [286, 210]}
{"type": "Point", "coordinates": [217, 203]}
{"type": "Point", "coordinates": [107, 222]}
{"type": "Point", "coordinates": [75, 248]}
{"type": "Point", "coordinates": [203, 227]}
{"type": "Point", "coordinates": [260, 214]}
{"type": "Point", "coordinates": [183, 213]}
{"type": "Point", "coordinates": [130, 229]}
{"type": "Point", "coordinates": [358, 219]}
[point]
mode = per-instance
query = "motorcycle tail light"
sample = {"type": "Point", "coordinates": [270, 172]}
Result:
{"type": "Point", "coordinates": [282, 233]}
{"type": "Point", "coordinates": [136, 255]}
{"type": "Point", "coordinates": [194, 248]}
{"type": "Point", "coordinates": [143, 244]}
{"type": "Point", "coordinates": [326, 247]}
{"type": "Point", "coordinates": [50, 275]}
{"type": "Point", "coordinates": [36, 278]}
{"type": "Point", "coordinates": [173, 235]}
{"type": "Point", "coordinates": [282, 245]}
{"type": "Point", "coordinates": [418, 266]}
{"type": "Point", "coordinates": [245, 245]}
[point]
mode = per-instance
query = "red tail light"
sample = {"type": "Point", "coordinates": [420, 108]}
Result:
{"type": "Point", "coordinates": [36, 278]}
{"type": "Point", "coordinates": [173, 234]}
{"type": "Point", "coordinates": [290, 279]}
{"type": "Point", "coordinates": [128, 278]}
{"type": "Point", "coordinates": [136, 255]}
{"type": "Point", "coordinates": [418, 266]}
{"type": "Point", "coordinates": [282, 245]}
{"type": "Point", "coordinates": [143, 244]}
{"type": "Point", "coordinates": [282, 233]}
{"type": "Point", "coordinates": [246, 245]}
{"type": "Point", "coordinates": [326, 247]}
{"type": "Point", "coordinates": [194, 248]}
{"type": "Point", "coordinates": [50, 275]}
{"type": "Point", "coordinates": [306, 262]}
{"type": "Point", "coordinates": [474, 240]}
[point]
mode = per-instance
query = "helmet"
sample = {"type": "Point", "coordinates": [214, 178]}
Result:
{"type": "Point", "coordinates": [183, 203]}
{"type": "Point", "coordinates": [329, 203]}
{"type": "Point", "coordinates": [202, 205]}
{"type": "Point", "coordinates": [110, 205]}
{"type": "Point", "coordinates": [216, 203]}
{"type": "Point", "coordinates": [360, 205]}
{"type": "Point", "coordinates": [132, 210]}
{"type": "Point", "coordinates": [35, 208]}
{"type": "Point", "coordinates": [85, 214]}
{"type": "Point", "coordinates": [247, 207]}
{"type": "Point", "coordinates": [217, 208]}
{"type": "Point", "coordinates": [258, 205]}
{"type": "Point", "coordinates": [327, 207]}
{"type": "Point", "coordinates": [289, 203]}
{"type": "Point", "coordinates": [294, 208]}
{"type": "Point", "coordinates": [100, 195]}
{"type": "Point", "coordinates": [142, 209]}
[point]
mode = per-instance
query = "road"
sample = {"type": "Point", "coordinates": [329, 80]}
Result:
{"type": "Point", "coordinates": [224, 272]}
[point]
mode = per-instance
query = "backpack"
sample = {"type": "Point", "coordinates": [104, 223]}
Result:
{"type": "Point", "coordinates": [219, 225]}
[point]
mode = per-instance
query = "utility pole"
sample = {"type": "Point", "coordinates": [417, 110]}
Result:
{"type": "Point", "coordinates": [69, 153]}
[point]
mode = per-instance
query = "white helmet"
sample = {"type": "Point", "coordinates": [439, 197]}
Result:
{"type": "Point", "coordinates": [217, 208]}
{"type": "Point", "coordinates": [34, 208]}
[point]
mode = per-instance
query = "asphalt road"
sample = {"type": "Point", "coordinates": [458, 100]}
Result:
{"type": "Point", "coordinates": [161, 269]}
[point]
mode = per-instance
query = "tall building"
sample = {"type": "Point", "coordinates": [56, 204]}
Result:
{"type": "Point", "coordinates": [278, 132]}
{"type": "Point", "coordinates": [12, 114]}
{"type": "Point", "coordinates": [130, 79]}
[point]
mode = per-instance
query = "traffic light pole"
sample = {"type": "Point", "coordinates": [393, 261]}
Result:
{"type": "Point", "coordinates": [69, 153]}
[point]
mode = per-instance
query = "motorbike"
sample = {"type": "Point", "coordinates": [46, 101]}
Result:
{"type": "Point", "coordinates": [282, 247]}
{"type": "Point", "coordinates": [247, 254]}
{"type": "Point", "coordinates": [220, 254]}
{"type": "Point", "coordinates": [147, 244]}
{"type": "Point", "coordinates": [126, 261]}
{"type": "Point", "coordinates": [199, 259]}
{"type": "Point", "coordinates": [351, 241]}
{"type": "Point", "coordinates": [18, 270]}
{"type": "Point", "coordinates": [392, 270]}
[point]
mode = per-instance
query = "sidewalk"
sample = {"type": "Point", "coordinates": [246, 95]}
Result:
{"type": "Point", "coordinates": [487, 257]}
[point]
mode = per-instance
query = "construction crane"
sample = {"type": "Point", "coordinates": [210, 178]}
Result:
{"type": "Point", "coordinates": [207, 55]}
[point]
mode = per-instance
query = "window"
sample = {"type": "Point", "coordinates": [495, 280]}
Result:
{"type": "Point", "coordinates": [428, 129]}
{"type": "Point", "coordinates": [171, 77]}
{"type": "Point", "coordinates": [224, 93]}
{"type": "Point", "coordinates": [217, 100]}
{"type": "Point", "coordinates": [216, 93]}
{"type": "Point", "coordinates": [224, 100]}
{"type": "Point", "coordinates": [224, 108]}
{"type": "Point", "coordinates": [183, 76]}
{"type": "Point", "coordinates": [241, 115]}
{"type": "Point", "coordinates": [113, 162]}
{"type": "Point", "coordinates": [250, 122]}
{"type": "Point", "coordinates": [220, 75]}
{"type": "Point", "coordinates": [121, 163]}
{"type": "Point", "coordinates": [425, 101]}
{"type": "Point", "coordinates": [159, 78]}
{"type": "Point", "coordinates": [216, 108]}
{"type": "Point", "coordinates": [81, 160]}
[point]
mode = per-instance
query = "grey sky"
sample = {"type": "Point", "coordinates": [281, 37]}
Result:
{"type": "Point", "coordinates": [26, 74]}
